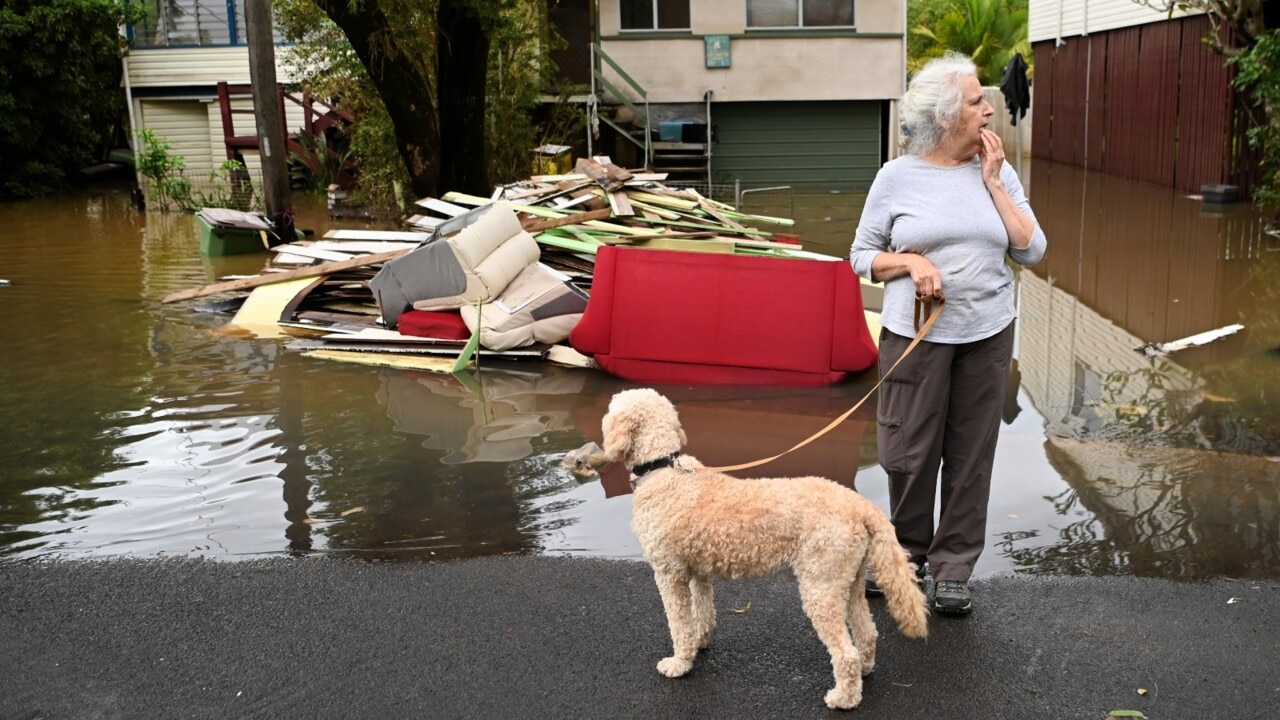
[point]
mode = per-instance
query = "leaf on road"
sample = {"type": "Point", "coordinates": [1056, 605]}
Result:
{"type": "Point", "coordinates": [1126, 713]}
{"type": "Point", "coordinates": [743, 610]}
{"type": "Point", "coordinates": [352, 511]}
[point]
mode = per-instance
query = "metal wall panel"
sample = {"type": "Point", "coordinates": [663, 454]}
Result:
{"type": "Point", "coordinates": [1149, 103]}
{"type": "Point", "coordinates": [817, 145]}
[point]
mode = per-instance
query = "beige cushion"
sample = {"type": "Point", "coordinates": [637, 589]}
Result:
{"type": "Point", "coordinates": [491, 251]}
{"type": "Point", "coordinates": [539, 305]}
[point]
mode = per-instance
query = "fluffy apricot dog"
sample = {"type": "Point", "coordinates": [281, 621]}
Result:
{"type": "Point", "coordinates": [695, 525]}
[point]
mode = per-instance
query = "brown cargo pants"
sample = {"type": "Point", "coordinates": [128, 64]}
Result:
{"type": "Point", "coordinates": [942, 406]}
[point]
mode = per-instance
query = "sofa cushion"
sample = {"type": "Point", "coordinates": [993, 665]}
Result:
{"type": "Point", "coordinates": [469, 259]}
{"type": "Point", "coordinates": [539, 305]}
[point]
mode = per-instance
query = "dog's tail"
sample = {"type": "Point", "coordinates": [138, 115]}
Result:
{"type": "Point", "coordinates": [897, 578]}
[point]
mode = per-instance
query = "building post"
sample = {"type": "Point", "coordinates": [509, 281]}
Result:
{"type": "Point", "coordinates": [267, 111]}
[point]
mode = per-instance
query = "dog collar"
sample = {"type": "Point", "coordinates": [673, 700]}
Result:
{"type": "Point", "coordinates": [665, 461]}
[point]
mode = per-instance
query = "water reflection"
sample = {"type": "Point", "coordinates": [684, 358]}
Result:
{"type": "Point", "coordinates": [1137, 438]}
{"type": "Point", "coordinates": [145, 429]}
{"type": "Point", "coordinates": [1134, 263]}
{"type": "Point", "coordinates": [1164, 512]}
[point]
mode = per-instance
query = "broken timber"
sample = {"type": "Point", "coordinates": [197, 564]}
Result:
{"type": "Point", "coordinates": [309, 271]}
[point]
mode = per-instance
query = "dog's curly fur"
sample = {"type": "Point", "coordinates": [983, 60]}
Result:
{"type": "Point", "coordinates": [695, 525]}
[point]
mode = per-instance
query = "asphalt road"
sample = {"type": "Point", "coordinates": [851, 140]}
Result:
{"type": "Point", "coordinates": [537, 637]}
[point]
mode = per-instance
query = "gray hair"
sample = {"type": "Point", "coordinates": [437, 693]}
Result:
{"type": "Point", "coordinates": [933, 97]}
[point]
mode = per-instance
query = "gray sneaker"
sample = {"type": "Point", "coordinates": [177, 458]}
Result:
{"type": "Point", "coordinates": [952, 597]}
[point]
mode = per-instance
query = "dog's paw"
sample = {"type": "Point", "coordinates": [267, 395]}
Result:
{"type": "Point", "coordinates": [843, 699]}
{"type": "Point", "coordinates": [674, 667]}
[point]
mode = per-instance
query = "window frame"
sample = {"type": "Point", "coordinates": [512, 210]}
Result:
{"type": "Point", "coordinates": [799, 26]}
{"type": "Point", "coordinates": [655, 28]}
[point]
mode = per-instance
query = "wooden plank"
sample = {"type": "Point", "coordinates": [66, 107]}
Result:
{"type": "Point", "coordinates": [546, 212]}
{"type": "Point", "coordinates": [564, 203]}
{"type": "Point", "coordinates": [357, 247]}
{"type": "Point", "coordinates": [310, 271]}
{"type": "Point", "coordinates": [530, 193]}
{"type": "Point", "coordinates": [580, 246]}
{"type": "Point", "coordinates": [537, 225]}
{"type": "Point", "coordinates": [424, 221]}
{"type": "Point", "coordinates": [620, 204]}
{"type": "Point", "coordinates": [665, 243]}
{"type": "Point", "coordinates": [289, 259]}
{"type": "Point", "coordinates": [308, 251]}
{"type": "Point", "coordinates": [355, 308]}
{"type": "Point", "coordinates": [709, 209]}
{"type": "Point", "coordinates": [332, 318]}
{"type": "Point", "coordinates": [429, 364]}
{"type": "Point", "coordinates": [660, 200]}
{"type": "Point", "coordinates": [381, 335]}
{"type": "Point", "coordinates": [401, 235]}
{"type": "Point", "coordinates": [598, 173]}
{"type": "Point", "coordinates": [653, 212]}
{"type": "Point", "coordinates": [444, 208]}
{"type": "Point", "coordinates": [620, 174]}
{"type": "Point", "coordinates": [636, 179]}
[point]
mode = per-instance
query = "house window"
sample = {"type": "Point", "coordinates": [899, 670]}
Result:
{"type": "Point", "coordinates": [799, 13]}
{"type": "Point", "coordinates": [654, 14]}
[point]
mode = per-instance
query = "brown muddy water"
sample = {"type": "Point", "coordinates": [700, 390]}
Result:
{"type": "Point", "coordinates": [133, 428]}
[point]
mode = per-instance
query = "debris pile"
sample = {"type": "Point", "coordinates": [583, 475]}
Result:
{"type": "Point", "coordinates": [327, 291]}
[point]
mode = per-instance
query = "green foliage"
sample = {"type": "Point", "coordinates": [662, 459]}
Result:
{"type": "Point", "coordinates": [520, 68]}
{"type": "Point", "coordinates": [520, 40]}
{"type": "Point", "coordinates": [1258, 75]}
{"type": "Point", "coordinates": [169, 188]}
{"type": "Point", "coordinates": [319, 146]}
{"type": "Point", "coordinates": [988, 31]}
{"type": "Point", "coordinates": [327, 68]}
{"type": "Point", "coordinates": [61, 107]}
{"type": "Point", "coordinates": [228, 186]}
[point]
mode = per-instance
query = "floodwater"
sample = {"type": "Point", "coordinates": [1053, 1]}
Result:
{"type": "Point", "coordinates": [134, 428]}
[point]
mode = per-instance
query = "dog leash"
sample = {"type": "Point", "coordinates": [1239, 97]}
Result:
{"type": "Point", "coordinates": [930, 312]}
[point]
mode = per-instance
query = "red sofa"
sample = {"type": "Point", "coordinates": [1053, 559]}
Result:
{"type": "Point", "coordinates": [712, 318]}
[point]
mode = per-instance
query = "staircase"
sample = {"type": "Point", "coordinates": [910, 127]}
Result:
{"type": "Point", "coordinates": [320, 143]}
{"type": "Point", "coordinates": [683, 151]}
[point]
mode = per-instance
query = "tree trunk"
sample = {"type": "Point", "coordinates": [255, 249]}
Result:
{"type": "Point", "coordinates": [405, 91]}
{"type": "Point", "coordinates": [462, 64]}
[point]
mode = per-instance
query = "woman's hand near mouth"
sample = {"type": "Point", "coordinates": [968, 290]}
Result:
{"type": "Point", "coordinates": [992, 155]}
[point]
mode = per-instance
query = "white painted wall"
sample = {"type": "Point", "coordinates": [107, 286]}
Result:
{"type": "Point", "coordinates": [194, 128]}
{"type": "Point", "coordinates": [194, 67]}
{"type": "Point", "coordinates": [1051, 19]}
{"type": "Point", "coordinates": [185, 124]}
{"type": "Point", "coordinates": [806, 67]}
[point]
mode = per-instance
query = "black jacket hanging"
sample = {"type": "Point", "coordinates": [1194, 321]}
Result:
{"type": "Point", "coordinates": [1014, 86]}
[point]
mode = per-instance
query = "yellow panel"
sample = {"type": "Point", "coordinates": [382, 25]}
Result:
{"type": "Point", "coordinates": [404, 362]}
{"type": "Point", "coordinates": [260, 314]}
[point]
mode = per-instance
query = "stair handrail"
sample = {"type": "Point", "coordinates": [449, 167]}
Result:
{"type": "Point", "coordinates": [707, 98]}
{"type": "Point", "coordinates": [597, 75]}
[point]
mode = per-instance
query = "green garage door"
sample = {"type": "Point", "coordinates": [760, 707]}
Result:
{"type": "Point", "coordinates": [810, 145]}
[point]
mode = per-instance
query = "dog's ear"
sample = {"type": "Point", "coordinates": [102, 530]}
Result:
{"type": "Point", "coordinates": [684, 439]}
{"type": "Point", "coordinates": [617, 428]}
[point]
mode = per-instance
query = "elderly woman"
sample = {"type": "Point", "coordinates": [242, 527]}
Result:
{"type": "Point", "coordinates": [939, 223]}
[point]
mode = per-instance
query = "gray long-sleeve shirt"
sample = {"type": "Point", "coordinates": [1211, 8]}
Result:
{"type": "Point", "coordinates": [946, 215]}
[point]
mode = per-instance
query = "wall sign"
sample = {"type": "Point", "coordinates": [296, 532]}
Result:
{"type": "Point", "coordinates": [717, 47]}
